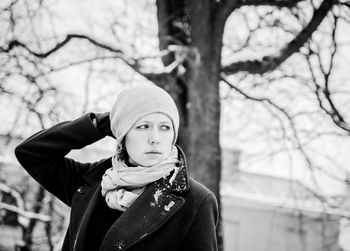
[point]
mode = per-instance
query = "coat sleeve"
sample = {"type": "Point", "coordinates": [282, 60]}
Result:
{"type": "Point", "coordinates": [43, 156]}
{"type": "Point", "coordinates": [202, 236]}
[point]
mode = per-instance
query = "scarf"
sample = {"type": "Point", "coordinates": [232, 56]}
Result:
{"type": "Point", "coordinates": [122, 185]}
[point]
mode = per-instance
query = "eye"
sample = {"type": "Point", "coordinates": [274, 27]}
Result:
{"type": "Point", "coordinates": [165, 127]}
{"type": "Point", "coordinates": [143, 126]}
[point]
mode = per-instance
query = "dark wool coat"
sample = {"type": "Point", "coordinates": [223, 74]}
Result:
{"type": "Point", "coordinates": [177, 216]}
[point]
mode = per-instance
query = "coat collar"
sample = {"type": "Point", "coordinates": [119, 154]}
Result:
{"type": "Point", "coordinates": [153, 208]}
{"type": "Point", "coordinates": [179, 185]}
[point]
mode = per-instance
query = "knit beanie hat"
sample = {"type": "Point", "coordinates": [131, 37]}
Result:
{"type": "Point", "coordinates": [136, 102]}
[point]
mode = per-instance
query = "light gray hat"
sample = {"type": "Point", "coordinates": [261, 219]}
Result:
{"type": "Point", "coordinates": [136, 102]}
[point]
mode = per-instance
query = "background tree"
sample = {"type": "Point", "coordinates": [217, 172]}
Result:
{"type": "Point", "coordinates": [265, 53]}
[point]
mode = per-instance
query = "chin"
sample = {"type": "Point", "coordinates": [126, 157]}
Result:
{"type": "Point", "coordinates": [146, 161]}
{"type": "Point", "coordinates": [151, 163]}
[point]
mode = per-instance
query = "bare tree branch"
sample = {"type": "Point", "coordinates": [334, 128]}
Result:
{"type": "Point", "coordinates": [298, 145]}
{"type": "Point", "coordinates": [269, 63]}
{"type": "Point", "coordinates": [324, 94]}
{"type": "Point", "coordinates": [337, 118]}
{"type": "Point", "coordinates": [15, 43]}
{"type": "Point", "coordinates": [264, 100]}
{"type": "Point", "coordinates": [156, 77]}
{"type": "Point", "coordinates": [226, 7]}
{"type": "Point", "coordinates": [48, 227]}
{"type": "Point", "coordinates": [277, 3]}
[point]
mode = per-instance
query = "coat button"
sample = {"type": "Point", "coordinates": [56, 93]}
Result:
{"type": "Point", "coordinates": [81, 190]}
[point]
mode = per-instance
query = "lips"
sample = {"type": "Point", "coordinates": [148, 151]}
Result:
{"type": "Point", "coordinates": [153, 152]}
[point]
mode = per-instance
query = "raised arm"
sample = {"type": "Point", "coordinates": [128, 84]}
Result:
{"type": "Point", "coordinates": [43, 155]}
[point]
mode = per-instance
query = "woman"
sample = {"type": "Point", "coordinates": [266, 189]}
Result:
{"type": "Point", "coordinates": [139, 199]}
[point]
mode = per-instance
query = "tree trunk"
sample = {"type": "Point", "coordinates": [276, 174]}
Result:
{"type": "Point", "coordinates": [200, 100]}
{"type": "Point", "coordinates": [198, 94]}
{"type": "Point", "coordinates": [204, 108]}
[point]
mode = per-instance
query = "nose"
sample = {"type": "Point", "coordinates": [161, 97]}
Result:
{"type": "Point", "coordinates": [154, 137]}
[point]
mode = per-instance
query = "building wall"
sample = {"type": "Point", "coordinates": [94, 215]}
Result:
{"type": "Point", "coordinates": [250, 226]}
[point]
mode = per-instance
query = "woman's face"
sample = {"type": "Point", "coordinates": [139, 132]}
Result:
{"type": "Point", "coordinates": [150, 140]}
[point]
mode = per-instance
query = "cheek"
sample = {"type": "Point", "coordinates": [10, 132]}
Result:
{"type": "Point", "coordinates": [131, 145]}
{"type": "Point", "coordinates": [170, 137]}
{"type": "Point", "coordinates": [168, 142]}
{"type": "Point", "coordinates": [132, 138]}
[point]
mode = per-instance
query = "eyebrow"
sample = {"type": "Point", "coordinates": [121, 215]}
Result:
{"type": "Point", "coordinates": [162, 122]}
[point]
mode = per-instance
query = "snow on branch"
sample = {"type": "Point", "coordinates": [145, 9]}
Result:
{"type": "Point", "coordinates": [15, 194]}
{"type": "Point", "coordinates": [20, 208]}
{"type": "Point", "coordinates": [25, 214]}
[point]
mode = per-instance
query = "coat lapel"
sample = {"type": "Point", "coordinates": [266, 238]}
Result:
{"type": "Point", "coordinates": [151, 210]}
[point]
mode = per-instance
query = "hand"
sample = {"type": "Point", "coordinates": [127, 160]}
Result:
{"type": "Point", "coordinates": [104, 124]}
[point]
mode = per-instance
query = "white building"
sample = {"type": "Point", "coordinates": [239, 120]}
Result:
{"type": "Point", "coordinates": [262, 212]}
